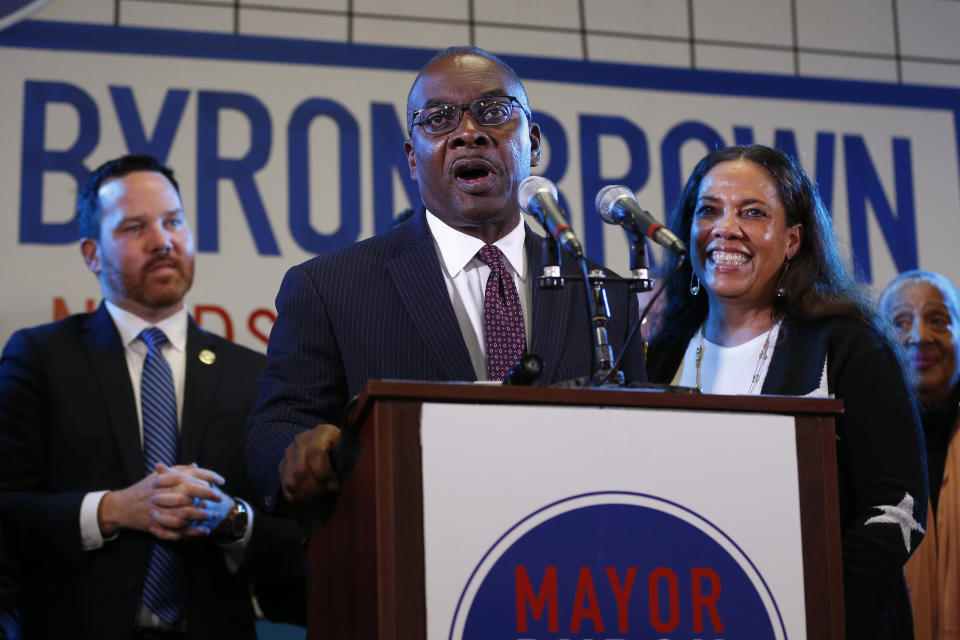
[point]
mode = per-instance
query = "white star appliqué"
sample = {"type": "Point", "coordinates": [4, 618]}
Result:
{"type": "Point", "coordinates": [901, 515]}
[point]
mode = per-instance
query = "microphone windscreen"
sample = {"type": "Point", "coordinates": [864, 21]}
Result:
{"type": "Point", "coordinates": [529, 188]}
{"type": "Point", "coordinates": [606, 198]}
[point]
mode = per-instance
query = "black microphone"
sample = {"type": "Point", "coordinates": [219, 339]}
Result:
{"type": "Point", "coordinates": [617, 205]}
{"type": "Point", "coordinates": [538, 197]}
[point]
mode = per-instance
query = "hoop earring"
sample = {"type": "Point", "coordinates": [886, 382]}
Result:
{"type": "Point", "coordinates": [694, 283]}
{"type": "Point", "coordinates": [781, 291]}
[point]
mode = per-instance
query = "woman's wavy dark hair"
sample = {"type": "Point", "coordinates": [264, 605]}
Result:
{"type": "Point", "coordinates": [818, 282]}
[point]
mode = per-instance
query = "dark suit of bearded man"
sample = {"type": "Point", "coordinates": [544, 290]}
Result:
{"type": "Point", "coordinates": [68, 427]}
{"type": "Point", "coordinates": [86, 504]}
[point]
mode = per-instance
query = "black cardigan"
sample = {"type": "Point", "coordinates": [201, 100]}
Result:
{"type": "Point", "coordinates": [880, 454]}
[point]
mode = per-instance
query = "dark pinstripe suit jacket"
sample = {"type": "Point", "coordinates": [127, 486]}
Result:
{"type": "Point", "coordinates": [379, 309]}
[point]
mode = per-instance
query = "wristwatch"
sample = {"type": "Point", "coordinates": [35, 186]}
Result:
{"type": "Point", "coordinates": [233, 525]}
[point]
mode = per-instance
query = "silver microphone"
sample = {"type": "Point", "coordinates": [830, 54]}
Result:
{"type": "Point", "coordinates": [538, 197]}
{"type": "Point", "coordinates": [616, 204]}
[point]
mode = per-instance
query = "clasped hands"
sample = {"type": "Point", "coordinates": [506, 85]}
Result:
{"type": "Point", "coordinates": [171, 503]}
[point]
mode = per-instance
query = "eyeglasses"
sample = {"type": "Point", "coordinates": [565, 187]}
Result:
{"type": "Point", "coordinates": [443, 118]}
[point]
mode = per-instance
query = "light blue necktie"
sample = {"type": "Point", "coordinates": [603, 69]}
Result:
{"type": "Point", "coordinates": [163, 585]}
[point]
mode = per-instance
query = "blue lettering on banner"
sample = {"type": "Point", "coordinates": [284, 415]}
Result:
{"type": "Point", "coordinates": [552, 133]}
{"type": "Point", "coordinates": [616, 565]}
{"type": "Point", "coordinates": [211, 168]}
{"type": "Point", "coordinates": [670, 148]}
{"type": "Point", "coordinates": [387, 158]}
{"type": "Point", "coordinates": [893, 209]}
{"type": "Point", "coordinates": [135, 134]}
{"type": "Point", "coordinates": [36, 160]}
{"type": "Point", "coordinates": [826, 146]}
{"type": "Point", "coordinates": [863, 185]}
{"type": "Point", "coordinates": [298, 167]}
{"type": "Point", "coordinates": [898, 224]}
{"type": "Point", "coordinates": [786, 141]}
{"type": "Point", "coordinates": [592, 129]}
{"type": "Point", "coordinates": [783, 139]}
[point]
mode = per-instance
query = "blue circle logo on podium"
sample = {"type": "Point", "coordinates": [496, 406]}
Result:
{"type": "Point", "coordinates": [618, 565]}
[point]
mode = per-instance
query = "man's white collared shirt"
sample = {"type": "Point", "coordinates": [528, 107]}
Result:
{"type": "Point", "coordinates": [465, 276]}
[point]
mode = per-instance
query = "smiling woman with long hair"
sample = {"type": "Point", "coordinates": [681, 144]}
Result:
{"type": "Point", "coordinates": [765, 305]}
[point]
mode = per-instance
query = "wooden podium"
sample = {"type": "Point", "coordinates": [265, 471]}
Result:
{"type": "Point", "coordinates": [367, 559]}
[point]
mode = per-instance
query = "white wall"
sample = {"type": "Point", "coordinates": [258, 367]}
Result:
{"type": "Point", "coordinates": [911, 41]}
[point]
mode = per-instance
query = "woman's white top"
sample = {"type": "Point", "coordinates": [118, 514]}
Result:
{"type": "Point", "coordinates": [727, 370]}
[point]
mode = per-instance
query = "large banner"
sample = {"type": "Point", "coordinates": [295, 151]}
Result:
{"type": "Point", "coordinates": [288, 148]}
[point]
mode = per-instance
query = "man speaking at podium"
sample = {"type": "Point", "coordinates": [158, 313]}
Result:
{"type": "Point", "coordinates": [449, 294]}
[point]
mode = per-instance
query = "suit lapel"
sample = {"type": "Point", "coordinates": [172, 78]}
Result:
{"type": "Point", "coordinates": [417, 274]}
{"type": "Point", "coordinates": [200, 385]}
{"type": "Point", "coordinates": [551, 307]}
{"type": "Point", "coordinates": [108, 361]}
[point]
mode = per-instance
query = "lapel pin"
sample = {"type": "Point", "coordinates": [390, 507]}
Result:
{"type": "Point", "coordinates": [207, 357]}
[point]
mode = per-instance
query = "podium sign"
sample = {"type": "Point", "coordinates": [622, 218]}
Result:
{"type": "Point", "coordinates": [520, 513]}
{"type": "Point", "coordinates": [594, 523]}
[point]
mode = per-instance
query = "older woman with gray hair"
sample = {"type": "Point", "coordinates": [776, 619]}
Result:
{"type": "Point", "coordinates": [924, 308]}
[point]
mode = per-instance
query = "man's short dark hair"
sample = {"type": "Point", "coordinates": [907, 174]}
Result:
{"type": "Point", "coordinates": [450, 52]}
{"type": "Point", "coordinates": [88, 200]}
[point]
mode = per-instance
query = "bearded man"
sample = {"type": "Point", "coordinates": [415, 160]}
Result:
{"type": "Point", "coordinates": [120, 431]}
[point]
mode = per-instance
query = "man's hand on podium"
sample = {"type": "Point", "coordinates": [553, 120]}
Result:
{"type": "Point", "coordinates": [306, 472]}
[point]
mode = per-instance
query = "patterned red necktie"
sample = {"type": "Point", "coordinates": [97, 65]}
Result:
{"type": "Point", "coordinates": [502, 316]}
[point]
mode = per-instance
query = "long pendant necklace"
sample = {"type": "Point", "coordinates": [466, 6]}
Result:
{"type": "Point", "coordinates": [756, 373]}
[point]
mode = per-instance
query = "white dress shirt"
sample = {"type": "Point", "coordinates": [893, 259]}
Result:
{"type": "Point", "coordinates": [465, 275]}
{"type": "Point", "coordinates": [174, 351]}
